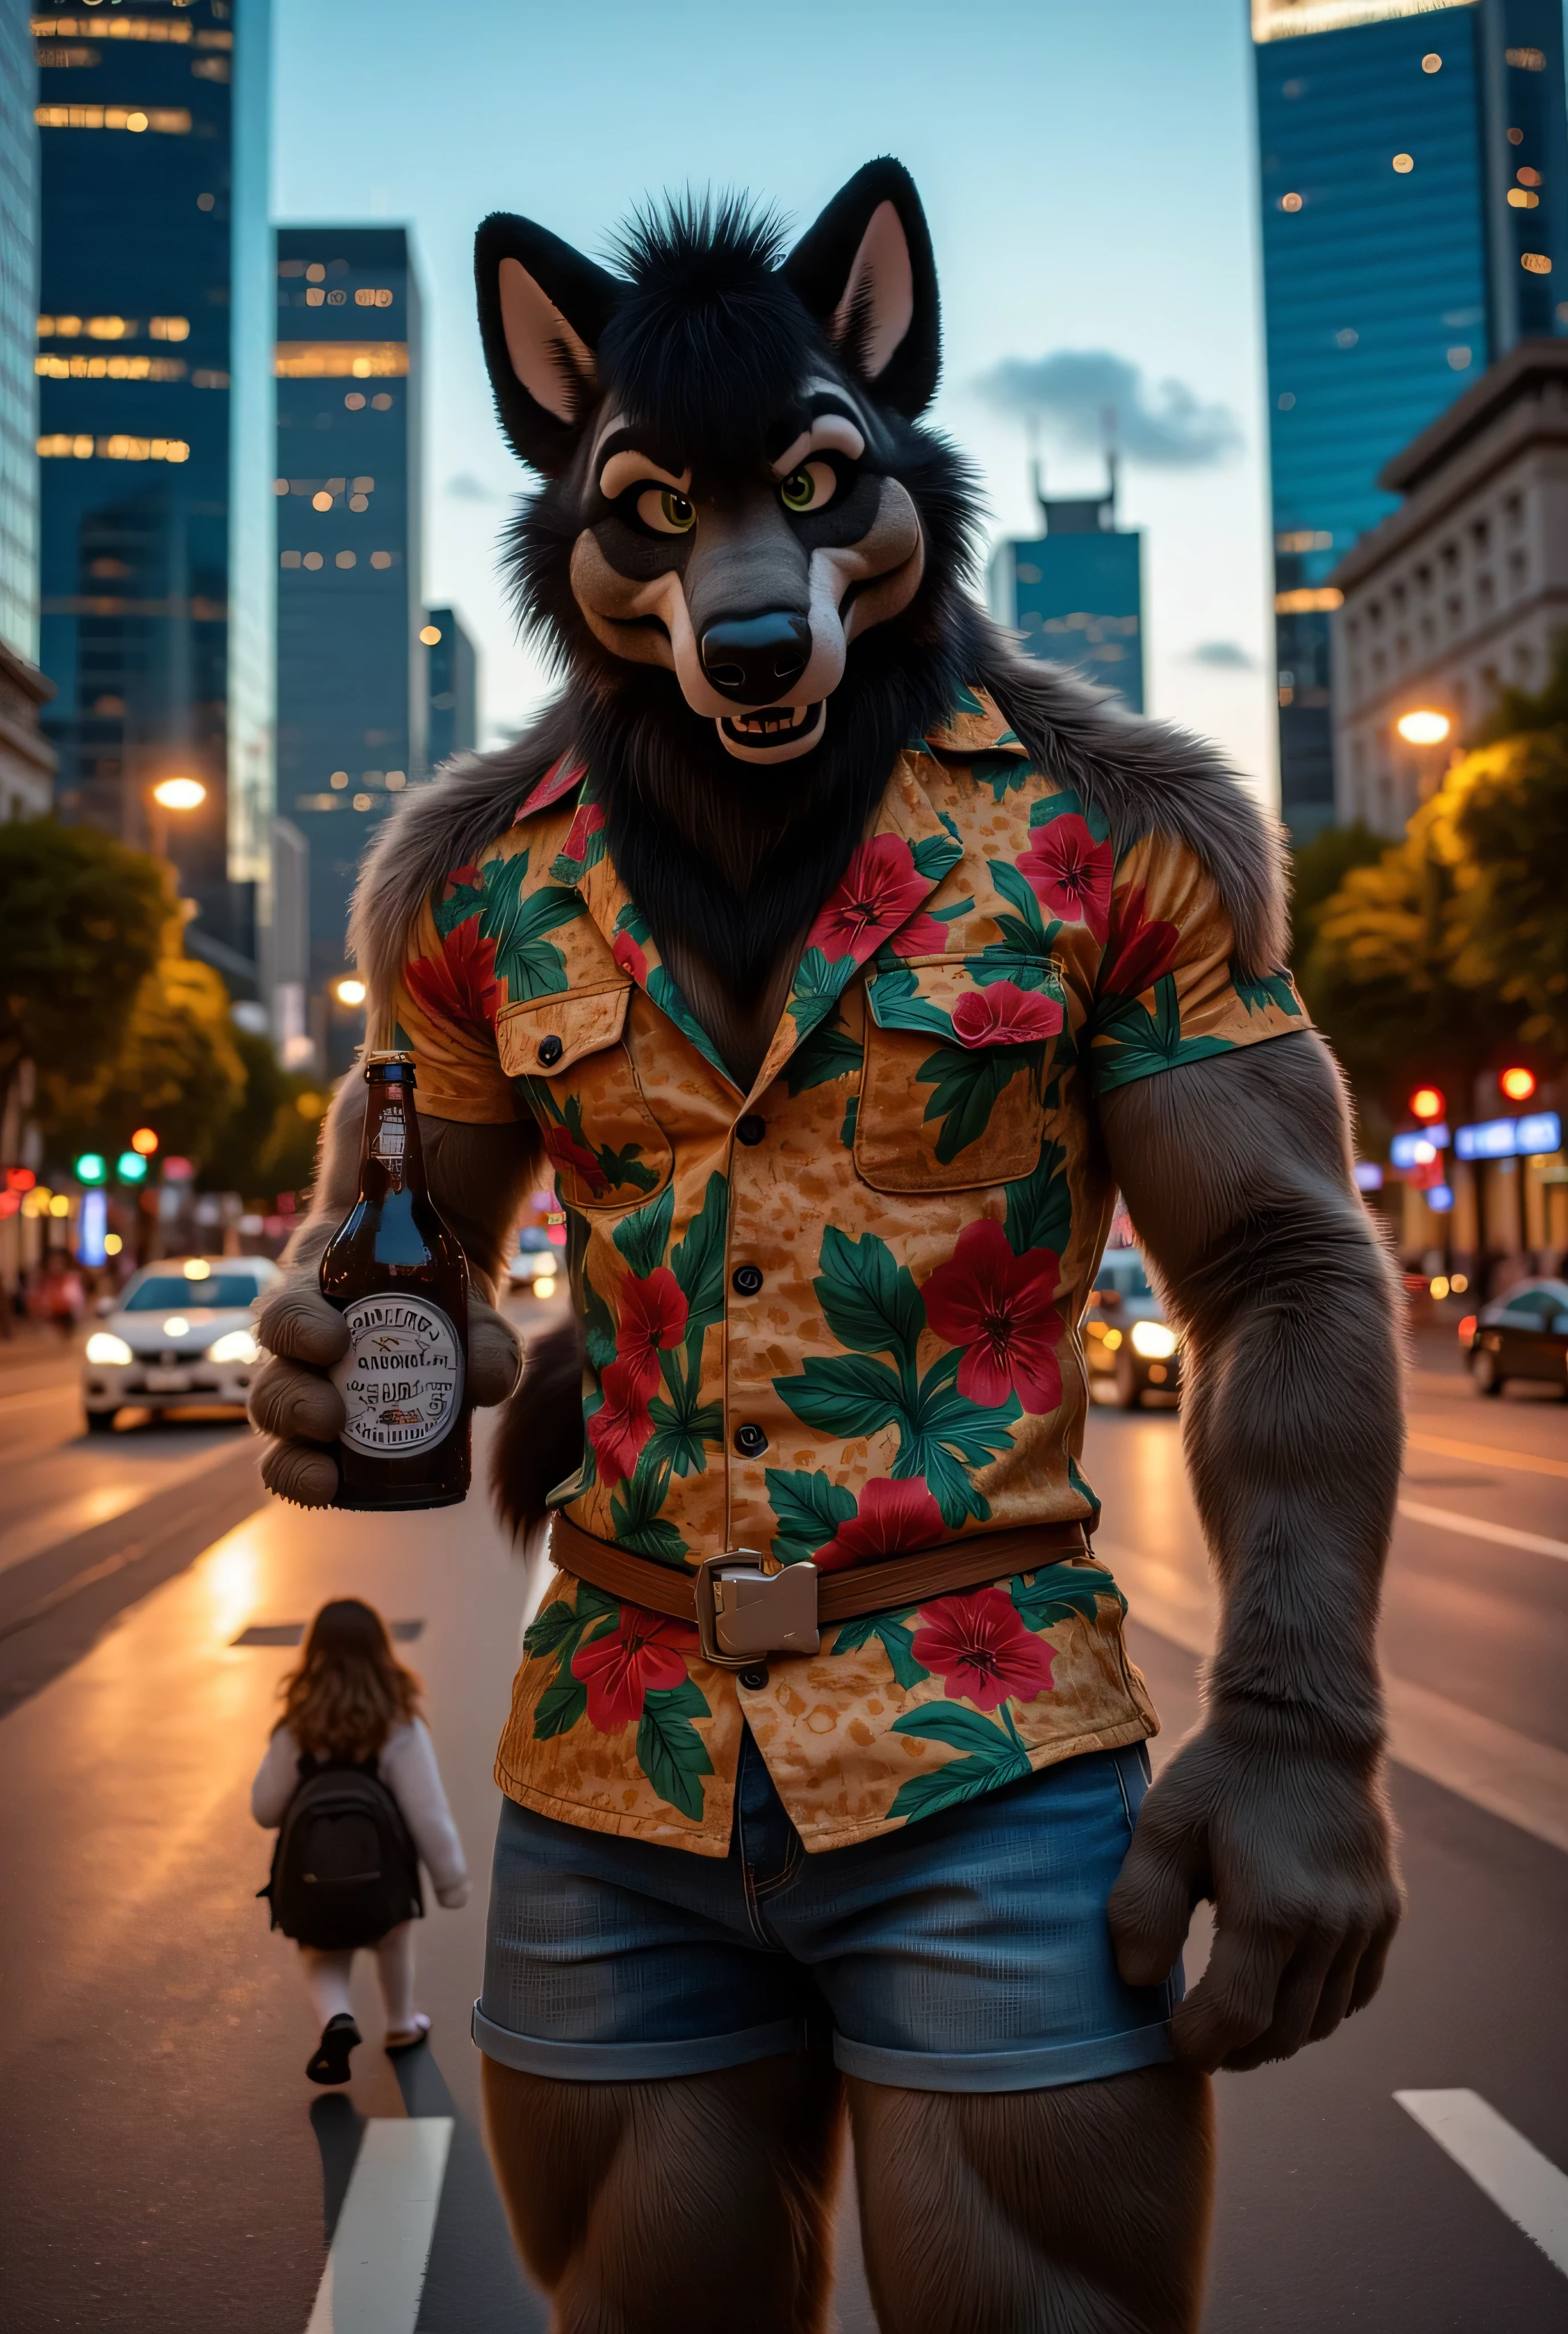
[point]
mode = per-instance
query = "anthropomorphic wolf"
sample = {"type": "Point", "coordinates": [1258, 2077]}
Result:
{"type": "Point", "coordinates": [843, 964]}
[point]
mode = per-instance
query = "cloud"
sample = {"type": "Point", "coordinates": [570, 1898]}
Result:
{"type": "Point", "coordinates": [466, 488]}
{"type": "Point", "coordinates": [1225, 656]}
{"type": "Point", "coordinates": [1070, 390]}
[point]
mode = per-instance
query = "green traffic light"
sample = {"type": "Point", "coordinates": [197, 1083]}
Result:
{"type": "Point", "coordinates": [131, 1167]}
{"type": "Point", "coordinates": [90, 1167]}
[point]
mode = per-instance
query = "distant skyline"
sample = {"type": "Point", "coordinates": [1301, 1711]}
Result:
{"type": "Point", "coordinates": [1088, 167]}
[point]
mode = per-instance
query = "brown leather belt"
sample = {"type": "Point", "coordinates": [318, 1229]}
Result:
{"type": "Point", "coordinates": [741, 1613]}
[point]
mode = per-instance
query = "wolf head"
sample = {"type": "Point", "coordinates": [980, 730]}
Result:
{"type": "Point", "coordinates": [743, 524]}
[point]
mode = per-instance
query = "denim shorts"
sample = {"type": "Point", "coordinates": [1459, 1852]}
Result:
{"type": "Point", "coordinates": [967, 1951]}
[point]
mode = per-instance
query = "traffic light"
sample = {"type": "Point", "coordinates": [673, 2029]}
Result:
{"type": "Point", "coordinates": [145, 1142]}
{"type": "Point", "coordinates": [131, 1167]}
{"type": "Point", "coordinates": [90, 1168]}
{"type": "Point", "coordinates": [1427, 1104]}
{"type": "Point", "coordinates": [1518, 1084]}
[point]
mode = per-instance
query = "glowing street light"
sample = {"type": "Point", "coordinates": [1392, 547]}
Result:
{"type": "Point", "coordinates": [1423, 728]}
{"type": "Point", "coordinates": [144, 1142]}
{"type": "Point", "coordinates": [350, 992]}
{"type": "Point", "coordinates": [180, 794]}
{"type": "Point", "coordinates": [430, 635]}
{"type": "Point", "coordinates": [1518, 1084]}
{"type": "Point", "coordinates": [1426, 1103]}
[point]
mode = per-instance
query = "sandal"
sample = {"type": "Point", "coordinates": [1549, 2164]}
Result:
{"type": "Point", "coordinates": [340, 2035]}
{"type": "Point", "coordinates": [409, 2037]}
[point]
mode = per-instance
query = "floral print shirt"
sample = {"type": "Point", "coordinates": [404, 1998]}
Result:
{"type": "Point", "coordinates": [836, 1317]}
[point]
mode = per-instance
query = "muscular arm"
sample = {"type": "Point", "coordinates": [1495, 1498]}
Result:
{"type": "Point", "coordinates": [1237, 1172]}
{"type": "Point", "coordinates": [478, 1176]}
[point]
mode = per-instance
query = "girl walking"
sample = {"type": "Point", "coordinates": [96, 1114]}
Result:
{"type": "Point", "coordinates": [349, 1781]}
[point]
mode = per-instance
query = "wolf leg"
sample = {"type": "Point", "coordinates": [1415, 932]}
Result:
{"type": "Point", "coordinates": [690, 2206]}
{"type": "Point", "coordinates": [1084, 2210]}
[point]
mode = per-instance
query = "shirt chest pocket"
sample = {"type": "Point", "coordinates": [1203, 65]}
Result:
{"type": "Point", "coordinates": [960, 1053]}
{"type": "Point", "coordinates": [568, 1056]}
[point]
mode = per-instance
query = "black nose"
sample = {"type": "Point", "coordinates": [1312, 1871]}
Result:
{"type": "Point", "coordinates": [756, 659]}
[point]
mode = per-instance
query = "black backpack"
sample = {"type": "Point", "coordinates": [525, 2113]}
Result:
{"type": "Point", "coordinates": [345, 1869]}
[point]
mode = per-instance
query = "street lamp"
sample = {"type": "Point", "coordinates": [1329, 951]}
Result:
{"type": "Point", "coordinates": [1423, 728]}
{"type": "Point", "coordinates": [181, 794]}
{"type": "Point", "coordinates": [350, 992]}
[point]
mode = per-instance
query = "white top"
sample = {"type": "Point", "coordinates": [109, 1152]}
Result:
{"type": "Point", "coordinates": [407, 1765]}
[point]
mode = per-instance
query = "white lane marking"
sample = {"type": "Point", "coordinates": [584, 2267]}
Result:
{"type": "Point", "coordinates": [1473, 1527]}
{"type": "Point", "coordinates": [375, 2271]}
{"type": "Point", "coordinates": [1524, 1463]}
{"type": "Point", "coordinates": [70, 1517]}
{"type": "Point", "coordinates": [1479, 1759]}
{"type": "Point", "coordinates": [1521, 2182]}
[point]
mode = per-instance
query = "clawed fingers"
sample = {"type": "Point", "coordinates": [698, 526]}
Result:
{"type": "Point", "coordinates": [291, 1402]}
{"type": "Point", "coordinates": [1149, 1910]}
{"type": "Point", "coordinates": [300, 1326]}
{"type": "Point", "coordinates": [495, 1356]}
{"type": "Point", "coordinates": [1298, 2000]}
{"type": "Point", "coordinates": [300, 1472]}
{"type": "Point", "coordinates": [1233, 2003]}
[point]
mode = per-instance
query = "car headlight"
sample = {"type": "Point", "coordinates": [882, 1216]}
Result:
{"type": "Point", "coordinates": [238, 1345]}
{"type": "Point", "coordinates": [1153, 1340]}
{"type": "Point", "coordinates": [106, 1349]}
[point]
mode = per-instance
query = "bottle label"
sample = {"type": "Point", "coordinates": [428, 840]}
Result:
{"type": "Point", "coordinates": [391, 1138]}
{"type": "Point", "coordinates": [402, 1379]}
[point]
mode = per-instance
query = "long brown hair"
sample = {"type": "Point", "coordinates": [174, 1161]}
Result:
{"type": "Point", "coordinates": [350, 1689]}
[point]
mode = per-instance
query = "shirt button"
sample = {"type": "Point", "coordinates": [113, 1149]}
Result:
{"type": "Point", "coordinates": [550, 1050]}
{"type": "Point", "coordinates": [750, 1441]}
{"type": "Point", "coordinates": [751, 1128]}
{"type": "Point", "coordinates": [755, 1679]}
{"type": "Point", "coordinates": [746, 1279]}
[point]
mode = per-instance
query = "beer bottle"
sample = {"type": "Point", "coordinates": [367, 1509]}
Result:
{"type": "Point", "coordinates": [400, 1281]}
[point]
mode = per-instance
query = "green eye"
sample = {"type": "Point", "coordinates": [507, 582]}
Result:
{"type": "Point", "coordinates": [677, 511]}
{"type": "Point", "coordinates": [666, 511]}
{"type": "Point", "coordinates": [809, 487]}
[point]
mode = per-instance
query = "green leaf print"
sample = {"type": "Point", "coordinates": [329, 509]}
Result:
{"type": "Point", "coordinates": [829, 1053]}
{"type": "Point", "coordinates": [847, 1131]}
{"type": "Point", "coordinates": [670, 1751]}
{"type": "Point", "coordinates": [1040, 1206]}
{"type": "Point", "coordinates": [894, 996]}
{"type": "Point", "coordinates": [1003, 773]}
{"type": "Point", "coordinates": [935, 855]}
{"type": "Point", "coordinates": [810, 1508]}
{"type": "Point", "coordinates": [994, 1756]}
{"type": "Point", "coordinates": [683, 1425]}
{"type": "Point", "coordinates": [1270, 989]}
{"type": "Point", "coordinates": [893, 1634]}
{"type": "Point", "coordinates": [698, 1262]}
{"type": "Point", "coordinates": [550, 1632]}
{"type": "Point", "coordinates": [560, 1707]}
{"type": "Point", "coordinates": [635, 1512]}
{"type": "Point", "coordinates": [1061, 1590]}
{"type": "Point", "coordinates": [1018, 890]}
{"type": "Point", "coordinates": [976, 1433]}
{"type": "Point", "coordinates": [530, 965]}
{"type": "Point", "coordinates": [643, 1236]}
{"type": "Point", "coordinates": [1081, 1485]}
{"type": "Point", "coordinates": [844, 1394]}
{"type": "Point", "coordinates": [598, 1328]}
{"type": "Point", "coordinates": [969, 1082]}
{"type": "Point", "coordinates": [664, 992]}
{"type": "Point", "coordinates": [1142, 1043]}
{"type": "Point", "coordinates": [868, 1300]}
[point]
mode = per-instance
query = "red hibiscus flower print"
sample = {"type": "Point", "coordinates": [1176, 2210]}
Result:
{"type": "Point", "coordinates": [631, 958]}
{"type": "Point", "coordinates": [1070, 873]}
{"type": "Point", "coordinates": [1137, 953]}
{"type": "Point", "coordinates": [1004, 1015]}
{"type": "Point", "coordinates": [564, 1150]}
{"type": "Point", "coordinates": [980, 1649]}
{"type": "Point", "coordinates": [881, 889]}
{"type": "Point", "coordinates": [999, 1308]}
{"type": "Point", "coordinates": [588, 823]}
{"type": "Point", "coordinates": [460, 984]}
{"type": "Point", "coordinates": [558, 780]}
{"type": "Point", "coordinates": [642, 1651]}
{"type": "Point", "coordinates": [652, 1320]}
{"type": "Point", "coordinates": [894, 1520]}
{"type": "Point", "coordinates": [619, 1430]}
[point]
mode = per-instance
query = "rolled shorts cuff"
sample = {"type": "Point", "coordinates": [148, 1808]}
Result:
{"type": "Point", "coordinates": [635, 2062]}
{"type": "Point", "coordinates": [1006, 2070]}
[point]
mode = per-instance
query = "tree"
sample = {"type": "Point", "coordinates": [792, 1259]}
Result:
{"type": "Point", "coordinates": [81, 921]}
{"type": "Point", "coordinates": [1318, 869]}
{"type": "Point", "coordinates": [268, 1143]}
{"type": "Point", "coordinates": [176, 1069]}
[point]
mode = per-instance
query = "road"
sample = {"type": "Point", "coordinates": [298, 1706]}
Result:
{"type": "Point", "coordinates": [168, 2168]}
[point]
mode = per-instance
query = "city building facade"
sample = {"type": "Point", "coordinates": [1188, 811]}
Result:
{"type": "Point", "coordinates": [1460, 592]}
{"type": "Point", "coordinates": [352, 683]}
{"type": "Point", "coordinates": [452, 671]}
{"type": "Point", "coordinates": [26, 760]}
{"type": "Point", "coordinates": [1075, 594]}
{"type": "Point", "coordinates": [153, 385]}
{"type": "Point", "coordinates": [1412, 163]}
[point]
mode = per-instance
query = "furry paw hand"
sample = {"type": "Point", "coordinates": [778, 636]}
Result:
{"type": "Point", "coordinates": [1295, 1848]}
{"type": "Point", "coordinates": [293, 1400]}
{"type": "Point", "coordinates": [495, 1356]}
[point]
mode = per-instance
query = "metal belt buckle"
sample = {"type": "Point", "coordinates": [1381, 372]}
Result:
{"type": "Point", "coordinates": [744, 1614]}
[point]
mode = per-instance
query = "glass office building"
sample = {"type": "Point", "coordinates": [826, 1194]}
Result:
{"type": "Point", "coordinates": [151, 344]}
{"type": "Point", "coordinates": [26, 761]}
{"type": "Point", "coordinates": [351, 684]}
{"type": "Point", "coordinates": [1076, 593]}
{"type": "Point", "coordinates": [1413, 167]}
{"type": "Point", "coordinates": [452, 671]}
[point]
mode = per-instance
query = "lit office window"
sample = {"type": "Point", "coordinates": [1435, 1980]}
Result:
{"type": "Point", "coordinates": [1431, 62]}
{"type": "Point", "coordinates": [115, 28]}
{"type": "Point", "coordinates": [331, 359]}
{"type": "Point", "coordinates": [289, 559]}
{"type": "Point", "coordinates": [1404, 164]}
{"type": "Point", "coordinates": [110, 368]}
{"type": "Point", "coordinates": [366, 298]}
{"type": "Point", "coordinates": [355, 401]}
{"type": "Point", "coordinates": [1535, 262]}
{"type": "Point", "coordinates": [312, 560]}
{"type": "Point", "coordinates": [171, 120]}
{"type": "Point", "coordinates": [346, 559]}
{"type": "Point", "coordinates": [170, 328]}
{"type": "Point", "coordinates": [380, 559]}
{"type": "Point", "coordinates": [383, 404]}
{"type": "Point", "coordinates": [1290, 202]}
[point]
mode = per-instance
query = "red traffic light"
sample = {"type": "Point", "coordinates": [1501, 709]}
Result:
{"type": "Point", "coordinates": [1518, 1084]}
{"type": "Point", "coordinates": [1427, 1104]}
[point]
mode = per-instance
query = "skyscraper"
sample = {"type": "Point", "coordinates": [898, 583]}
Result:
{"type": "Point", "coordinates": [1076, 593]}
{"type": "Point", "coordinates": [452, 669]}
{"type": "Point", "coordinates": [351, 686]}
{"type": "Point", "coordinates": [26, 762]}
{"type": "Point", "coordinates": [152, 434]}
{"type": "Point", "coordinates": [1414, 164]}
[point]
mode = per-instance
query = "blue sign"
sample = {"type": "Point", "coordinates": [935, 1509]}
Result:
{"type": "Point", "coordinates": [1509, 1138]}
{"type": "Point", "coordinates": [1416, 1148]}
{"type": "Point", "coordinates": [1369, 1175]}
{"type": "Point", "coordinates": [90, 1227]}
{"type": "Point", "coordinates": [1439, 1198]}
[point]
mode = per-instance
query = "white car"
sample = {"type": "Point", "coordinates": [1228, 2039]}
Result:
{"type": "Point", "coordinates": [181, 1335]}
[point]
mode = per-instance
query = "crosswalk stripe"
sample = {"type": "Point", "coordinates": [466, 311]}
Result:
{"type": "Point", "coordinates": [375, 2271]}
{"type": "Point", "coordinates": [1474, 1527]}
{"type": "Point", "coordinates": [1521, 2182]}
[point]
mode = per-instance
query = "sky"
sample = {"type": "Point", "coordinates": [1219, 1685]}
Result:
{"type": "Point", "coordinates": [1088, 167]}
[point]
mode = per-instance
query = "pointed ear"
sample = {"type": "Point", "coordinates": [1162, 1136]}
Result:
{"type": "Point", "coordinates": [867, 273]}
{"type": "Point", "coordinates": [541, 309]}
